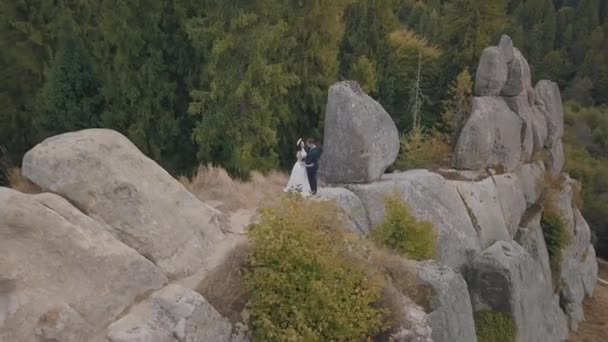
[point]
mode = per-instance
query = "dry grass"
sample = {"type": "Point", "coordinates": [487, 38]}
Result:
{"type": "Point", "coordinates": [595, 326]}
{"type": "Point", "coordinates": [402, 274]}
{"type": "Point", "coordinates": [224, 286]}
{"type": "Point", "coordinates": [399, 272]}
{"type": "Point", "coordinates": [215, 184]}
{"type": "Point", "coordinates": [551, 187]}
{"type": "Point", "coordinates": [17, 182]}
{"type": "Point", "coordinates": [603, 270]}
{"type": "Point", "coordinates": [12, 176]}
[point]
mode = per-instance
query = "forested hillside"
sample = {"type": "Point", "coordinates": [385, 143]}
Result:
{"type": "Point", "coordinates": [236, 83]}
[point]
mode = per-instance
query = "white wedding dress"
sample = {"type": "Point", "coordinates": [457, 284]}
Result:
{"type": "Point", "coordinates": [298, 181]}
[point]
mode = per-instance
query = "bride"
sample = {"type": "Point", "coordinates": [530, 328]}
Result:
{"type": "Point", "coordinates": [298, 181]}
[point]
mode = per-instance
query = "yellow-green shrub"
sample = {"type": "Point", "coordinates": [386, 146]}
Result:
{"type": "Point", "coordinates": [556, 238]}
{"type": "Point", "coordinates": [402, 232]}
{"type": "Point", "coordinates": [301, 285]}
{"type": "Point", "coordinates": [494, 326]}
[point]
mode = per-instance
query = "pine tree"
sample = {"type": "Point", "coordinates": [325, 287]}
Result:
{"type": "Point", "coordinates": [407, 77]}
{"type": "Point", "coordinates": [243, 99]}
{"type": "Point", "coordinates": [30, 32]}
{"type": "Point", "coordinates": [534, 26]}
{"type": "Point", "coordinates": [364, 71]}
{"type": "Point", "coordinates": [457, 107]}
{"type": "Point", "coordinates": [147, 65]}
{"type": "Point", "coordinates": [368, 23]}
{"type": "Point", "coordinates": [472, 26]}
{"type": "Point", "coordinates": [315, 29]}
{"type": "Point", "coordinates": [70, 98]}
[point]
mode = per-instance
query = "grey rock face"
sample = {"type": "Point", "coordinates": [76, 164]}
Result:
{"type": "Point", "coordinates": [549, 102]}
{"type": "Point", "coordinates": [451, 318]}
{"type": "Point", "coordinates": [506, 278]}
{"type": "Point", "coordinates": [531, 176]}
{"type": "Point", "coordinates": [557, 159]}
{"type": "Point", "coordinates": [519, 106]}
{"type": "Point", "coordinates": [491, 73]}
{"type": "Point", "coordinates": [62, 275]}
{"type": "Point", "coordinates": [481, 201]}
{"type": "Point", "coordinates": [411, 322]}
{"type": "Point", "coordinates": [491, 137]}
{"type": "Point", "coordinates": [360, 141]}
{"type": "Point", "coordinates": [530, 237]}
{"type": "Point", "coordinates": [173, 314]}
{"type": "Point", "coordinates": [506, 46]}
{"type": "Point", "coordinates": [535, 137]}
{"type": "Point", "coordinates": [511, 198]}
{"type": "Point", "coordinates": [519, 80]}
{"type": "Point", "coordinates": [350, 205]}
{"type": "Point", "coordinates": [431, 198]}
{"type": "Point", "coordinates": [108, 178]}
{"type": "Point", "coordinates": [578, 270]}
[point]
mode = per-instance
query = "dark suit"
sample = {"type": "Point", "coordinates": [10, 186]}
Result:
{"type": "Point", "coordinates": [312, 158]}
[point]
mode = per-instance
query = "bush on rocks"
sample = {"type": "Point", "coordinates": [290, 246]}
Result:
{"type": "Point", "coordinates": [402, 232]}
{"type": "Point", "coordinates": [494, 326]}
{"type": "Point", "coordinates": [556, 238]}
{"type": "Point", "coordinates": [301, 284]}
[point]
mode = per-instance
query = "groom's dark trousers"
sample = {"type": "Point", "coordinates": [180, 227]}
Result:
{"type": "Point", "coordinates": [312, 158]}
{"type": "Point", "coordinates": [312, 179]}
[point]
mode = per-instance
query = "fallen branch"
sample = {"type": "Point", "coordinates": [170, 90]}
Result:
{"type": "Point", "coordinates": [602, 281]}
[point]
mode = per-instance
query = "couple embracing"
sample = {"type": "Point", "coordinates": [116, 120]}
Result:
{"type": "Point", "coordinates": [303, 177]}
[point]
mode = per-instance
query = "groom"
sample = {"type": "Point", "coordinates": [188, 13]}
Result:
{"type": "Point", "coordinates": [312, 163]}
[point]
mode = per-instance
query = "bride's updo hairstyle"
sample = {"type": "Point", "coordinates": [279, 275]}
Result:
{"type": "Point", "coordinates": [299, 143]}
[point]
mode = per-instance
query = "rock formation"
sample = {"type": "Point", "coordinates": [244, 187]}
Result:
{"type": "Point", "coordinates": [108, 178]}
{"type": "Point", "coordinates": [100, 256]}
{"type": "Point", "coordinates": [491, 251]}
{"type": "Point", "coordinates": [62, 275]}
{"type": "Point", "coordinates": [490, 138]}
{"type": "Point", "coordinates": [172, 314]}
{"type": "Point", "coordinates": [511, 121]}
{"type": "Point", "coordinates": [92, 260]}
{"type": "Point", "coordinates": [361, 139]}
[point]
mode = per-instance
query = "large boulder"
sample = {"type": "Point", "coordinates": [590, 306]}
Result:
{"type": "Point", "coordinates": [556, 159]}
{"type": "Point", "coordinates": [350, 207]}
{"type": "Point", "coordinates": [519, 80]}
{"type": "Point", "coordinates": [535, 136]}
{"type": "Point", "coordinates": [431, 198]}
{"type": "Point", "coordinates": [107, 177]}
{"type": "Point", "coordinates": [451, 315]}
{"type": "Point", "coordinates": [482, 203]}
{"type": "Point", "coordinates": [530, 237]}
{"type": "Point", "coordinates": [173, 314]}
{"type": "Point", "coordinates": [549, 102]}
{"type": "Point", "coordinates": [511, 198]}
{"type": "Point", "coordinates": [491, 137]}
{"type": "Point", "coordinates": [361, 140]}
{"type": "Point", "coordinates": [579, 270]}
{"type": "Point", "coordinates": [506, 46]}
{"type": "Point", "coordinates": [492, 72]}
{"type": "Point", "coordinates": [63, 277]}
{"type": "Point", "coordinates": [527, 133]}
{"type": "Point", "coordinates": [505, 278]}
{"type": "Point", "coordinates": [532, 177]}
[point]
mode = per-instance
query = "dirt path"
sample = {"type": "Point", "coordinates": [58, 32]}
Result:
{"type": "Point", "coordinates": [595, 327]}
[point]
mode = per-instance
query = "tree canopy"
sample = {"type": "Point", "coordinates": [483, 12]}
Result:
{"type": "Point", "coordinates": [235, 82]}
